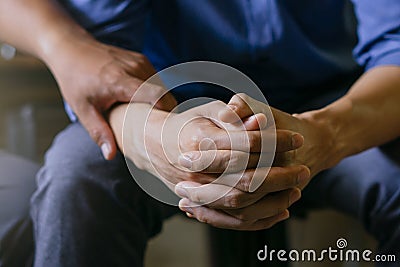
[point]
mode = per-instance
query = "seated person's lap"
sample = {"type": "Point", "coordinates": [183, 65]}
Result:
{"type": "Point", "coordinates": [89, 210]}
{"type": "Point", "coordinates": [365, 186]}
{"type": "Point", "coordinates": [93, 209]}
{"type": "Point", "coordinates": [17, 183]}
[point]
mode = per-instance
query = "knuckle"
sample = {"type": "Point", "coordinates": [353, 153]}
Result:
{"type": "Point", "coordinates": [141, 58]}
{"type": "Point", "coordinates": [226, 159]}
{"type": "Point", "coordinates": [292, 180]}
{"type": "Point", "coordinates": [254, 141]}
{"type": "Point", "coordinates": [245, 224]}
{"type": "Point", "coordinates": [283, 205]}
{"type": "Point", "coordinates": [287, 140]}
{"type": "Point", "coordinates": [95, 134]}
{"type": "Point", "coordinates": [199, 135]}
{"type": "Point", "coordinates": [279, 210]}
{"type": "Point", "coordinates": [157, 91]}
{"type": "Point", "coordinates": [120, 91]}
{"type": "Point", "coordinates": [232, 200]}
{"type": "Point", "coordinates": [236, 161]}
{"type": "Point", "coordinates": [134, 64]}
{"type": "Point", "coordinates": [153, 91]}
{"type": "Point", "coordinates": [245, 182]}
{"type": "Point", "coordinates": [242, 96]}
{"type": "Point", "coordinates": [112, 74]}
{"type": "Point", "coordinates": [202, 216]}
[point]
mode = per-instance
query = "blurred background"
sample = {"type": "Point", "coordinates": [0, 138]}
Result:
{"type": "Point", "coordinates": [31, 114]}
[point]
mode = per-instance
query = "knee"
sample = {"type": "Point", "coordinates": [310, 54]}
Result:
{"type": "Point", "coordinates": [62, 185]}
{"type": "Point", "coordinates": [73, 165]}
{"type": "Point", "coordinates": [381, 212]}
{"type": "Point", "coordinates": [76, 181]}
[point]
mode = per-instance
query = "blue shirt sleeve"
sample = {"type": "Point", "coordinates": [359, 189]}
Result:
{"type": "Point", "coordinates": [120, 23]}
{"type": "Point", "coordinates": [378, 33]}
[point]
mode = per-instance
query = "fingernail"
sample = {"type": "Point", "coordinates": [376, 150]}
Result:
{"type": "Point", "coordinates": [186, 160]}
{"type": "Point", "coordinates": [192, 155]}
{"type": "Point", "coordinates": [294, 196]}
{"type": "Point", "coordinates": [252, 118]}
{"type": "Point", "coordinates": [106, 150]}
{"type": "Point", "coordinates": [303, 177]}
{"type": "Point", "coordinates": [297, 140]}
{"type": "Point", "coordinates": [184, 206]}
{"type": "Point", "coordinates": [181, 191]}
{"type": "Point", "coordinates": [187, 210]}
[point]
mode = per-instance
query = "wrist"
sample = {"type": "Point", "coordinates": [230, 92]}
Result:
{"type": "Point", "coordinates": [327, 126]}
{"type": "Point", "coordinates": [141, 133]}
{"type": "Point", "coordinates": [56, 46]}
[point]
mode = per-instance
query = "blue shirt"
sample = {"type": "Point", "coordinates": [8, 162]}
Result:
{"type": "Point", "coordinates": [290, 48]}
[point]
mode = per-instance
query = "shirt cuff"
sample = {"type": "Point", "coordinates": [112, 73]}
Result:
{"type": "Point", "coordinates": [70, 113]}
{"type": "Point", "coordinates": [388, 58]}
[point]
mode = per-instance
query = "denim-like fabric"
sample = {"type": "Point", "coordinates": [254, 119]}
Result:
{"type": "Point", "coordinates": [367, 187]}
{"type": "Point", "coordinates": [17, 184]}
{"type": "Point", "coordinates": [89, 212]}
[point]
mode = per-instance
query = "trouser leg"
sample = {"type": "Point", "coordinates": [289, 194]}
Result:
{"type": "Point", "coordinates": [17, 184]}
{"type": "Point", "coordinates": [367, 187]}
{"type": "Point", "coordinates": [88, 211]}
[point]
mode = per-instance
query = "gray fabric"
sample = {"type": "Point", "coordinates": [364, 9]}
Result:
{"type": "Point", "coordinates": [17, 184]}
{"type": "Point", "coordinates": [88, 211]}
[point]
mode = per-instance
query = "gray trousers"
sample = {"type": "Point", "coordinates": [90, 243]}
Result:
{"type": "Point", "coordinates": [17, 184]}
{"type": "Point", "coordinates": [89, 212]}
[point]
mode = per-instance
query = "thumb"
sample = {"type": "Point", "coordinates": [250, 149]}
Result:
{"type": "Point", "coordinates": [255, 122]}
{"type": "Point", "coordinates": [240, 106]}
{"type": "Point", "coordinates": [100, 131]}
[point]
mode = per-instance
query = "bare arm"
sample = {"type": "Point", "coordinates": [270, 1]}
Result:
{"type": "Point", "coordinates": [92, 76]}
{"type": "Point", "coordinates": [37, 26]}
{"type": "Point", "coordinates": [367, 116]}
{"type": "Point", "coordinates": [231, 192]}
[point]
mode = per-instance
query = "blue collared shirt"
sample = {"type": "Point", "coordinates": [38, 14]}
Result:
{"type": "Point", "coordinates": [289, 48]}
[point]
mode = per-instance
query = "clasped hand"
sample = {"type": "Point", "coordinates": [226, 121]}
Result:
{"type": "Point", "coordinates": [210, 156]}
{"type": "Point", "coordinates": [242, 209]}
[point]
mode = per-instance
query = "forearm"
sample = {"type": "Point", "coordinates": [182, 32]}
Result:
{"type": "Point", "coordinates": [37, 26]}
{"type": "Point", "coordinates": [367, 116]}
{"type": "Point", "coordinates": [124, 113]}
{"type": "Point", "coordinates": [130, 121]}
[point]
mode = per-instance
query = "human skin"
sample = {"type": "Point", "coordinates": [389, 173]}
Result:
{"type": "Point", "coordinates": [92, 76]}
{"type": "Point", "coordinates": [352, 124]}
{"type": "Point", "coordinates": [139, 135]}
{"type": "Point", "coordinates": [104, 76]}
{"type": "Point", "coordinates": [367, 116]}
